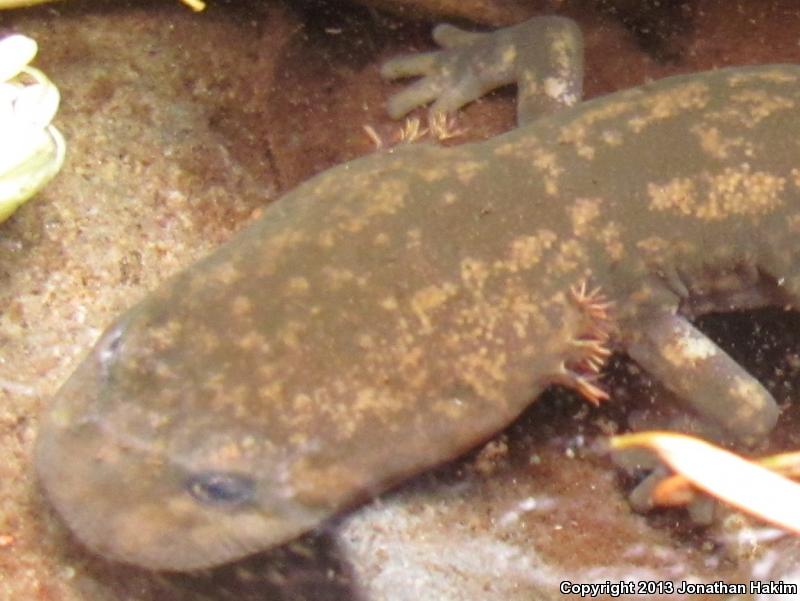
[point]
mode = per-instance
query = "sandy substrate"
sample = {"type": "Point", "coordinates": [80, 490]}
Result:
{"type": "Point", "coordinates": [181, 128]}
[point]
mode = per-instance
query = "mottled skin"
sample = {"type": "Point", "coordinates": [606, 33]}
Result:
{"type": "Point", "coordinates": [393, 312]}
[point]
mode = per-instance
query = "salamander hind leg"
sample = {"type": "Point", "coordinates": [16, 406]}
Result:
{"type": "Point", "coordinates": [543, 56]}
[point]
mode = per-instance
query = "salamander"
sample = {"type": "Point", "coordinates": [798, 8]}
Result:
{"type": "Point", "coordinates": [393, 312]}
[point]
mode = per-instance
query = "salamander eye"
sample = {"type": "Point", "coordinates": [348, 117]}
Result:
{"type": "Point", "coordinates": [226, 489]}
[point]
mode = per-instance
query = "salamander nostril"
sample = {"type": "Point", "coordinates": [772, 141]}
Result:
{"type": "Point", "coordinates": [109, 346]}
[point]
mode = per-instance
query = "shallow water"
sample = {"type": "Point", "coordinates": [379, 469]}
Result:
{"type": "Point", "coordinates": [180, 127]}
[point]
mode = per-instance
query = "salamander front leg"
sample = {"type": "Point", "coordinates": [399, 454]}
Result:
{"type": "Point", "coordinates": [543, 56]}
{"type": "Point", "coordinates": [719, 390]}
{"type": "Point", "coordinates": [704, 376]}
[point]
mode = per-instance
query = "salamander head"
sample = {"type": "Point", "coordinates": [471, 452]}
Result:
{"type": "Point", "coordinates": [142, 475]}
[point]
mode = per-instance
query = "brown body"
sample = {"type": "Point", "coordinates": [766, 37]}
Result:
{"type": "Point", "coordinates": [396, 311]}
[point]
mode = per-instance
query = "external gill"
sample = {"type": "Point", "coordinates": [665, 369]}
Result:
{"type": "Point", "coordinates": [589, 350]}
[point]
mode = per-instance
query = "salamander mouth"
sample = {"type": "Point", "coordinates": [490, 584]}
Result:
{"type": "Point", "coordinates": [94, 486]}
{"type": "Point", "coordinates": [123, 499]}
{"type": "Point", "coordinates": [162, 530]}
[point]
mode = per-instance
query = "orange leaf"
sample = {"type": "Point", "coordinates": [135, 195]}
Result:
{"type": "Point", "coordinates": [744, 484]}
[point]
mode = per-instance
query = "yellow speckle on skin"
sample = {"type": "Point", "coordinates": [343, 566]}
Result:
{"type": "Point", "coordinates": [741, 191]}
{"type": "Point", "coordinates": [208, 341]}
{"type": "Point", "coordinates": [474, 273]}
{"type": "Point", "coordinates": [577, 132]}
{"type": "Point", "coordinates": [291, 333]}
{"type": "Point", "coordinates": [611, 237]}
{"type": "Point", "coordinates": [297, 285]}
{"type": "Point", "coordinates": [714, 143]}
{"type": "Point", "coordinates": [484, 372]}
{"type": "Point", "coordinates": [734, 191]}
{"type": "Point", "coordinates": [365, 341]}
{"type": "Point", "coordinates": [389, 303]}
{"type": "Point", "coordinates": [760, 104]}
{"type": "Point", "coordinates": [522, 147]}
{"type": "Point", "coordinates": [793, 222]}
{"type": "Point", "coordinates": [382, 239]}
{"type": "Point", "coordinates": [164, 337]}
{"type": "Point", "coordinates": [241, 306]}
{"type": "Point", "coordinates": [583, 212]}
{"type": "Point", "coordinates": [612, 137]}
{"type": "Point", "coordinates": [586, 152]}
{"type": "Point", "coordinates": [386, 197]}
{"type": "Point", "coordinates": [677, 195]}
{"type": "Point", "coordinates": [547, 163]}
{"type": "Point", "coordinates": [271, 391]}
{"type": "Point", "coordinates": [554, 87]}
{"type": "Point", "coordinates": [687, 351]}
{"type": "Point", "coordinates": [527, 84]}
{"type": "Point", "coordinates": [795, 173]}
{"type": "Point", "coordinates": [302, 402]}
{"type": "Point", "coordinates": [302, 410]}
{"type": "Point", "coordinates": [747, 390]}
{"type": "Point", "coordinates": [749, 107]}
{"type": "Point", "coordinates": [467, 170]}
{"type": "Point", "coordinates": [411, 364]}
{"type": "Point", "coordinates": [742, 78]}
{"type": "Point", "coordinates": [654, 245]}
{"type": "Point", "coordinates": [299, 438]}
{"type": "Point", "coordinates": [449, 198]}
{"type": "Point", "coordinates": [509, 54]}
{"type": "Point", "coordinates": [276, 247]}
{"type": "Point", "coordinates": [371, 403]}
{"type": "Point", "coordinates": [251, 341]}
{"type": "Point", "coordinates": [427, 300]}
{"type": "Point", "coordinates": [669, 103]}
{"type": "Point", "coordinates": [337, 277]}
{"type": "Point", "coordinates": [570, 256]}
{"type": "Point", "coordinates": [226, 454]}
{"type": "Point", "coordinates": [527, 251]}
{"type": "Point", "coordinates": [563, 49]}
{"type": "Point", "coordinates": [433, 173]}
{"type": "Point", "coordinates": [326, 238]}
{"type": "Point", "coordinates": [225, 273]}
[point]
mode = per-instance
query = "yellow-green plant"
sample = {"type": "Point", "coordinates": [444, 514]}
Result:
{"type": "Point", "coordinates": [31, 148]}
{"type": "Point", "coordinates": [195, 5]}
